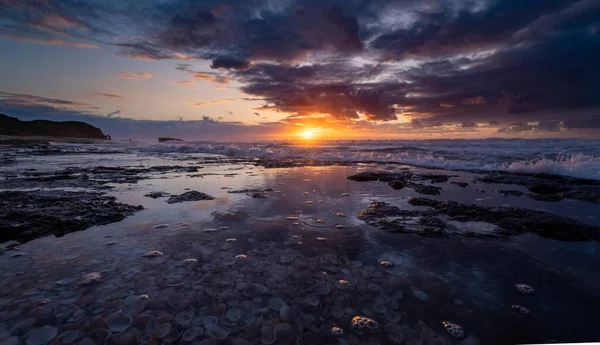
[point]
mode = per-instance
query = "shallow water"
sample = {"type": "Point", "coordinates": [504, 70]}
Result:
{"type": "Point", "coordinates": [467, 281]}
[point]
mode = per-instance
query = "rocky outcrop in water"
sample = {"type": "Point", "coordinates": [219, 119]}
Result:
{"type": "Point", "coordinates": [404, 179]}
{"type": "Point", "coordinates": [68, 129]}
{"type": "Point", "coordinates": [550, 188]}
{"type": "Point", "coordinates": [189, 196]}
{"type": "Point", "coordinates": [28, 215]}
{"type": "Point", "coordinates": [509, 220]}
{"type": "Point", "coordinates": [162, 140]}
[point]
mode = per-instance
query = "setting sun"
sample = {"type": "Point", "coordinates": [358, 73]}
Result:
{"type": "Point", "coordinates": [308, 134]}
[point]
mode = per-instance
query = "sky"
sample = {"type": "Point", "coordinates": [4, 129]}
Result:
{"type": "Point", "coordinates": [243, 70]}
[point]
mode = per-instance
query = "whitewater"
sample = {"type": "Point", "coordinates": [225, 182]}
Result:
{"type": "Point", "coordinates": [579, 158]}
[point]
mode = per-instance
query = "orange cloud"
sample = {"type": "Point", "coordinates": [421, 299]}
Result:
{"type": "Point", "coordinates": [52, 41]}
{"type": "Point", "coordinates": [134, 75]}
{"type": "Point", "coordinates": [212, 78]}
{"type": "Point", "coordinates": [446, 105]}
{"type": "Point", "coordinates": [217, 101]}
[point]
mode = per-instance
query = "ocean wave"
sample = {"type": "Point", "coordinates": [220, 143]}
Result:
{"type": "Point", "coordinates": [530, 157]}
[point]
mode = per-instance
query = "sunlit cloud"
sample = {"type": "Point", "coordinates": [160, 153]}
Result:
{"type": "Point", "coordinates": [134, 75]}
{"type": "Point", "coordinates": [216, 101]}
{"type": "Point", "coordinates": [51, 41]}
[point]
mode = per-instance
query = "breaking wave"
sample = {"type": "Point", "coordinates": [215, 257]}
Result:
{"type": "Point", "coordinates": [567, 157]}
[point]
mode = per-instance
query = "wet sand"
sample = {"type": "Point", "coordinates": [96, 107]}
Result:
{"type": "Point", "coordinates": [290, 269]}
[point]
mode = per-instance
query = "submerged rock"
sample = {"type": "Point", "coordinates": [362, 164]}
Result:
{"type": "Point", "coordinates": [189, 196]}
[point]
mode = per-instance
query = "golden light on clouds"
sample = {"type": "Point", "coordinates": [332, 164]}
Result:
{"type": "Point", "coordinates": [216, 101]}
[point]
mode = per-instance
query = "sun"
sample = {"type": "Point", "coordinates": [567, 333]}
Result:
{"type": "Point", "coordinates": [308, 134]}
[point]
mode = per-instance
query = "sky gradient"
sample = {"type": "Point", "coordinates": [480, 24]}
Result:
{"type": "Point", "coordinates": [279, 69]}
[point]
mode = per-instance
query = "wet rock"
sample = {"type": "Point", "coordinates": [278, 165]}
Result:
{"type": "Point", "coordinates": [156, 195]}
{"type": "Point", "coordinates": [513, 221]}
{"type": "Point", "coordinates": [26, 215]}
{"type": "Point", "coordinates": [510, 192]}
{"type": "Point", "coordinates": [260, 196]}
{"type": "Point", "coordinates": [380, 176]}
{"type": "Point", "coordinates": [550, 187]}
{"type": "Point", "coordinates": [425, 189]}
{"type": "Point", "coordinates": [189, 196]}
{"type": "Point", "coordinates": [397, 184]}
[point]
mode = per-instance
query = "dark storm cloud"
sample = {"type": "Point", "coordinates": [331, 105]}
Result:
{"type": "Point", "coordinates": [226, 62]}
{"type": "Point", "coordinates": [520, 65]}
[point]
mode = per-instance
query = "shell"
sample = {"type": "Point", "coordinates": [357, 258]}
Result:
{"type": "Point", "coordinates": [363, 323]}
{"type": "Point", "coordinates": [312, 301]}
{"type": "Point", "coordinates": [341, 284]}
{"type": "Point", "coordinates": [392, 316]}
{"type": "Point", "coordinates": [386, 263]}
{"type": "Point", "coordinates": [184, 318]}
{"type": "Point", "coordinates": [525, 288]}
{"type": "Point", "coordinates": [337, 331]}
{"type": "Point", "coordinates": [521, 309]}
{"type": "Point", "coordinates": [42, 335]}
{"type": "Point", "coordinates": [163, 329]}
{"type": "Point", "coordinates": [454, 329]}
{"type": "Point", "coordinates": [420, 295]}
{"type": "Point", "coordinates": [120, 323]}
{"type": "Point", "coordinates": [99, 336]}
{"type": "Point", "coordinates": [191, 333]}
{"type": "Point", "coordinates": [267, 335]}
{"type": "Point", "coordinates": [217, 332]}
{"type": "Point", "coordinates": [69, 337]}
{"type": "Point", "coordinates": [379, 308]}
{"type": "Point", "coordinates": [234, 315]}
{"type": "Point", "coordinates": [90, 278]}
{"type": "Point", "coordinates": [209, 321]}
{"type": "Point", "coordinates": [276, 303]}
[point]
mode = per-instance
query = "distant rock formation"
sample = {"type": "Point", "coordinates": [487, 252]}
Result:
{"type": "Point", "coordinates": [161, 140]}
{"type": "Point", "coordinates": [66, 129]}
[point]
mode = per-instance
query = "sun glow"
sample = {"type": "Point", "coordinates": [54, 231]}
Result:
{"type": "Point", "coordinates": [308, 134]}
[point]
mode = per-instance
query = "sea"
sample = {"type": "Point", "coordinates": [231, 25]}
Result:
{"type": "Point", "coordinates": [282, 255]}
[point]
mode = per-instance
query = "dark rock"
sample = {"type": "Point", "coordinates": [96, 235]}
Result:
{"type": "Point", "coordinates": [557, 186]}
{"type": "Point", "coordinates": [460, 184]}
{"type": "Point", "coordinates": [548, 188]}
{"type": "Point", "coordinates": [425, 189]}
{"type": "Point", "coordinates": [156, 195]}
{"type": "Point", "coordinates": [245, 191]}
{"type": "Point", "coordinates": [397, 184]}
{"type": "Point", "coordinates": [189, 196]}
{"type": "Point", "coordinates": [379, 176]}
{"type": "Point", "coordinates": [510, 192]}
{"type": "Point", "coordinates": [162, 140]}
{"type": "Point", "coordinates": [433, 178]}
{"type": "Point", "coordinates": [67, 129]}
{"type": "Point", "coordinates": [260, 195]}
{"type": "Point", "coordinates": [28, 215]}
{"type": "Point", "coordinates": [516, 220]}
{"type": "Point", "coordinates": [547, 197]}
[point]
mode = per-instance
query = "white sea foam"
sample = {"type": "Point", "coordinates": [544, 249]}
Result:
{"type": "Point", "coordinates": [570, 157]}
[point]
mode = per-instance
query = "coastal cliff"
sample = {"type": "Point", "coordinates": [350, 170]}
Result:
{"type": "Point", "coordinates": [69, 129]}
